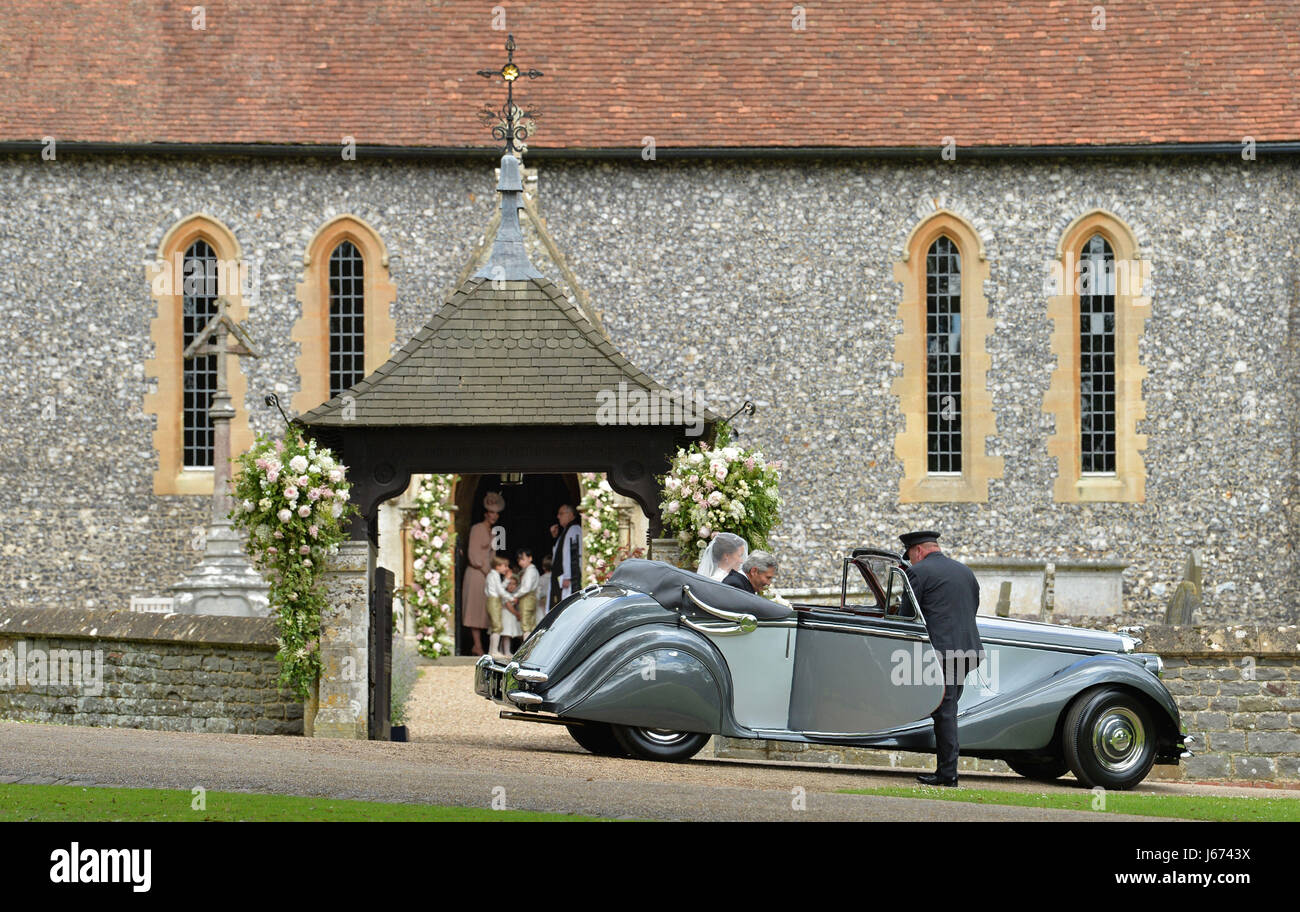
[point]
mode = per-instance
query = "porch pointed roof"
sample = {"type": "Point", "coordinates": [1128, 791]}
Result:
{"type": "Point", "coordinates": [516, 354]}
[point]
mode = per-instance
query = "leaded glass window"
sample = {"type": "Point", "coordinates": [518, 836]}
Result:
{"type": "Point", "coordinates": [347, 317]}
{"type": "Point", "coordinates": [1097, 356]}
{"type": "Point", "coordinates": [943, 355]}
{"type": "Point", "coordinates": [199, 378]}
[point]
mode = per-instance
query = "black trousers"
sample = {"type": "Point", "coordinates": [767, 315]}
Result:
{"type": "Point", "coordinates": [945, 732]}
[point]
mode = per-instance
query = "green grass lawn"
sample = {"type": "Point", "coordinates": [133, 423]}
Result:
{"type": "Point", "coordinates": [73, 802]}
{"type": "Point", "coordinates": [1188, 807]}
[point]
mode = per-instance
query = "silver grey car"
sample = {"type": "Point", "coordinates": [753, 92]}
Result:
{"type": "Point", "coordinates": [657, 659]}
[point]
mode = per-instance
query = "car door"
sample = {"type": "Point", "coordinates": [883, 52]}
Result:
{"type": "Point", "coordinates": [865, 666]}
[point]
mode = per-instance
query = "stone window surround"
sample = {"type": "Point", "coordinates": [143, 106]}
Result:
{"type": "Point", "coordinates": [910, 446]}
{"type": "Point", "coordinates": [1128, 483]}
{"type": "Point", "coordinates": [171, 476]}
{"type": "Point", "coordinates": [311, 330]}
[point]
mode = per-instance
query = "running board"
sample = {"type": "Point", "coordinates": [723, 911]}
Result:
{"type": "Point", "coordinates": [535, 717]}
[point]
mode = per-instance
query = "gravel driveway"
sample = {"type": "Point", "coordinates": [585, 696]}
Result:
{"type": "Point", "coordinates": [463, 754]}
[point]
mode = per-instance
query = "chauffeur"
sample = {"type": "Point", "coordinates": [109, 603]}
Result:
{"type": "Point", "coordinates": [949, 597]}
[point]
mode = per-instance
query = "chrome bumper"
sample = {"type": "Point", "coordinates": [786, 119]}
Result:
{"type": "Point", "coordinates": [507, 684]}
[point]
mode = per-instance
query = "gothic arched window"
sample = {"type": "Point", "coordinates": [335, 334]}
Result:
{"type": "Point", "coordinates": [198, 306]}
{"type": "Point", "coordinates": [1097, 357]}
{"type": "Point", "coordinates": [1098, 313]}
{"type": "Point", "coordinates": [943, 393]}
{"type": "Point", "coordinates": [346, 329]}
{"type": "Point", "coordinates": [943, 356]}
{"type": "Point", "coordinates": [198, 260]}
{"type": "Point", "coordinates": [347, 317]}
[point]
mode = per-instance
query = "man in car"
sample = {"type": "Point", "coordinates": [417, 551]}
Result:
{"type": "Point", "coordinates": [949, 597]}
{"type": "Point", "coordinates": [756, 573]}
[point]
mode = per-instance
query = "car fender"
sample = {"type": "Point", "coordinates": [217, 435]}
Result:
{"type": "Point", "coordinates": [1027, 719]}
{"type": "Point", "coordinates": [652, 676]}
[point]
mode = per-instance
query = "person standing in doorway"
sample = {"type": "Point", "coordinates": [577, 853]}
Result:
{"type": "Point", "coordinates": [526, 593]}
{"type": "Point", "coordinates": [949, 597]}
{"type": "Point", "coordinates": [479, 555]}
{"type": "Point", "coordinates": [566, 559]}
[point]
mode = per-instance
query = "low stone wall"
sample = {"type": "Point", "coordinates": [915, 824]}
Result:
{"type": "Point", "coordinates": [132, 670]}
{"type": "Point", "coordinates": [1237, 690]}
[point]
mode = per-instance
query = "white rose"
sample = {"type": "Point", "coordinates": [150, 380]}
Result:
{"type": "Point", "coordinates": [291, 493]}
{"type": "Point", "coordinates": [715, 498]}
{"type": "Point", "coordinates": [419, 563]}
{"type": "Point", "coordinates": [695, 458]}
{"type": "Point", "coordinates": [337, 509]}
{"type": "Point", "coordinates": [304, 511]}
{"type": "Point", "coordinates": [285, 516]}
{"type": "Point", "coordinates": [298, 463]}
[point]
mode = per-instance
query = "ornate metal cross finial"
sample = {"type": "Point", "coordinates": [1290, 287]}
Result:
{"type": "Point", "coordinates": [510, 124]}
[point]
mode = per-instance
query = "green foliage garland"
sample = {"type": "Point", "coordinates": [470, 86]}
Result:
{"type": "Point", "coordinates": [291, 500]}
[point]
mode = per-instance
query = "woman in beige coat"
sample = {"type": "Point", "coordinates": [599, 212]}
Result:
{"type": "Point", "coordinates": [479, 554]}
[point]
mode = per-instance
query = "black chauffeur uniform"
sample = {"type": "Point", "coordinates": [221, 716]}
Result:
{"type": "Point", "coordinates": [949, 596]}
{"type": "Point", "coordinates": [739, 580]}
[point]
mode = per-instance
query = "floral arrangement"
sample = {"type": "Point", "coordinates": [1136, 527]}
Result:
{"type": "Point", "coordinates": [291, 499]}
{"type": "Point", "coordinates": [719, 488]}
{"type": "Point", "coordinates": [599, 527]}
{"type": "Point", "coordinates": [430, 594]}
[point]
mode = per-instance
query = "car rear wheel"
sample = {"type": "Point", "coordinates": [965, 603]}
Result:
{"type": "Point", "coordinates": [659, 743]}
{"type": "Point", "coordinates": [597, 737]}
{"type": "Point", "coordinates": [1109, 739]}
{"type": "Point", "coordinates": [1040, 770]}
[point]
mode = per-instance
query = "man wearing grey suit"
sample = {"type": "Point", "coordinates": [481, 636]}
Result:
{"type": "Point", "coordinates": [949, 597]}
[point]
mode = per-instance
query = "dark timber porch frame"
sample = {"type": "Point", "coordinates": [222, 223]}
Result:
{"type": "Point", "coordinates": [381, 460]}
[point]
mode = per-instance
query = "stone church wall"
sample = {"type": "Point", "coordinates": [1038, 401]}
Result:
{"type": "Point", "coordinates": [767, 280]}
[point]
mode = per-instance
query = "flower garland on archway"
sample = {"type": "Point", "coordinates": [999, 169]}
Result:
{"type": "Point", "coordinates": [723, 488]}
{"type": "Point", "coordinates": [430, 594]}
{"type": "Point", "coordinates": [291, 500]}
{"type": "Point", "coordinates": [599, 527]}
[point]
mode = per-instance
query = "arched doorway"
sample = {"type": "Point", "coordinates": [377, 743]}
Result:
{"type": "Point", "coordinates": [525, 523]}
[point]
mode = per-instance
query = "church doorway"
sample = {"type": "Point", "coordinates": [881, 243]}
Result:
{"type": "Point", "coordinates": [531, 502]}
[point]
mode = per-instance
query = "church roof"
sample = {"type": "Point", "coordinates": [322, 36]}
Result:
{"type": "Point", "coordinates": [892, 74]}
{"type": "Point", "coordinates": [517, 354]}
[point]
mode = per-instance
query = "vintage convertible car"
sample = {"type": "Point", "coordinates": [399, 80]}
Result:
{"type": "Point", "coordinates": [657, 659]}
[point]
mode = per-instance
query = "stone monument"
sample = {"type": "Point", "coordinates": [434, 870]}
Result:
{"type": "Point", "coordinates": [224, 581]}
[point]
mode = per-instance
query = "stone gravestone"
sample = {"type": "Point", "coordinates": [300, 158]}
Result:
{"type": "Point", "coordinates": [1186, 600]}
{"type": "Point", "coordinates": [1004, 599]}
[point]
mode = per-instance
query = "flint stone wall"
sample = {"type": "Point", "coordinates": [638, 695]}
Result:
{"type": "Point", "coordinates": [1237, 690]}
{"type": "Point", "coordinates": [166, 672]}
{"type": "Point", "coordinates": [769, 280]}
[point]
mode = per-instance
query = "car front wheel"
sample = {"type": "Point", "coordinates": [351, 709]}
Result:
{"type": "Point", "coordinates": [1109, 739]}
{"type": "Point", "coordinates": [659, 743]}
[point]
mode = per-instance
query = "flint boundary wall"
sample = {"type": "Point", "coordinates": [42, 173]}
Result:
{"type": "Point", "coordinates": [167, 672]}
